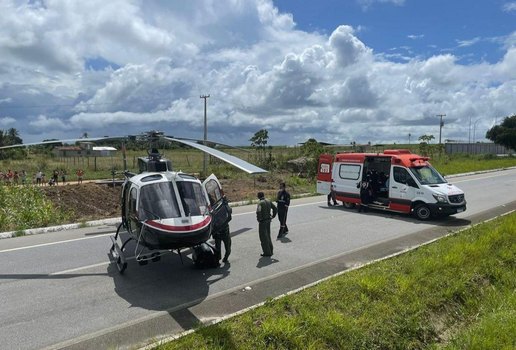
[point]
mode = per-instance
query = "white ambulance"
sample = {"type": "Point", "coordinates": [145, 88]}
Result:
{"type": "Point", "coordinates": [399, 180]}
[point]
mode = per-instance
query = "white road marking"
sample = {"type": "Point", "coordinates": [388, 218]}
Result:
{"type": "Point", "coordinates": [53, 243]}
{"type": "Point", "coordinates": [64, 272]}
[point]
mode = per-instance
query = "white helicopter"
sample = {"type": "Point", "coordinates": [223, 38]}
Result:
{"type": "Point", "coordinates": [165, 210]}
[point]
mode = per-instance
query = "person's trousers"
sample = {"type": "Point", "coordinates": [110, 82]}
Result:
{"type": "Point", "coordinates": [223, 237]}
{"type": "Point", "coordinates": [264, 228]}
{"type": "Point", "coordinates": [282, 216]}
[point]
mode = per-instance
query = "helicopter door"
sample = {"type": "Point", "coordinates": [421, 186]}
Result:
{"type": "Point", "coordinates": [220, 209]}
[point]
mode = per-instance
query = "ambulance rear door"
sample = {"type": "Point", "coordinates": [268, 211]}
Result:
{"type": "Point", "coordinates": [324, 173]}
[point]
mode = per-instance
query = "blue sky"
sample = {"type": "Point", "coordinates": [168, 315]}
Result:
{"type": "Point", "coordinates": [338, 71]}
{"type": "Point", "coordinates": [472, 30]}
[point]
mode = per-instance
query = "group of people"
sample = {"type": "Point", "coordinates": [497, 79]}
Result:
{"type": "Point", "coordinates": [266, 211]}
{"type": "Point", "coordinates": [13, 177]}
{"type": "Point", "coordinates": [21, 177]}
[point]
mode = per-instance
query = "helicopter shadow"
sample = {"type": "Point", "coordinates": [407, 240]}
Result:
{"type": "Point", "coordinates": [169, 285]}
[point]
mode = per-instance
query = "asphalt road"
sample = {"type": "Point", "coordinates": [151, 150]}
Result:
{"type": "Point", "coordinates": [58, 290]}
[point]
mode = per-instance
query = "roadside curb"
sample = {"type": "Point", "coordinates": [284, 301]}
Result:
{"type": "Point", "coordinates": [40, 230]}
{"type": "Point", "coordinates": [114, 221]}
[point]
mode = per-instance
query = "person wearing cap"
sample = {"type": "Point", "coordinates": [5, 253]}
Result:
{"type": "Point", "coordinates": [283, 200]}
{"type": "Point", "coordinates": [265, 212]}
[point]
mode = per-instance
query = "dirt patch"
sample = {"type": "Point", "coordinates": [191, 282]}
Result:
{"type": "Point", "coordinates": [91, 201]}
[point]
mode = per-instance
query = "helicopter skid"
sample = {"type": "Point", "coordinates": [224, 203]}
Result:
{"type": "Point", "coordinates": [117, 256]}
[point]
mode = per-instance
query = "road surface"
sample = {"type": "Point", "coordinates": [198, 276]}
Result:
{"type": "Point", "coordinates": [58, 290]}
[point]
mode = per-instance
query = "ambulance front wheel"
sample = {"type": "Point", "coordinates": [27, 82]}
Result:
{"type": "Point", "coordinates": [422, 212]}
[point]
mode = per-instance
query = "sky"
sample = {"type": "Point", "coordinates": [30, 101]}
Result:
{"type": "Point", "coordinates": [339, 71]}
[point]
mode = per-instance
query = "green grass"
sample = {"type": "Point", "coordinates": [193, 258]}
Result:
{"type": "Point", "coordinates": [24, 207]}
{"type": "Point", "coordinates": [457, 293]}
{"type": "Point", "coordinates": [463, 163]}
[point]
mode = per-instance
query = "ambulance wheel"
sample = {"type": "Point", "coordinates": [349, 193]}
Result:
{"type": "Point", "coordinates": [422, 212]}
{"type": "Point", "coordinates": [349, 205]}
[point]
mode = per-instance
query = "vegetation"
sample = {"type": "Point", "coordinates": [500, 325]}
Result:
{"type": "Point", "coordinates": [457, 293]}
{"type": "Point", "coordinates": [505, 133]}
{"type": "Point", "coordinates": [26, 207]}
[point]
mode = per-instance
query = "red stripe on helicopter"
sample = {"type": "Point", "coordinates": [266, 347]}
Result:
{"type": "Point", "coordinates": [194, 227]}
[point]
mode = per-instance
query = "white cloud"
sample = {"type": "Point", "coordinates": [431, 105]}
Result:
{"type": "Point", "coordinates": [509, 6]}
{"type": "Point", "coordinates": [6, 121]}
{"type": "Point", "coordinates": [260, 71]}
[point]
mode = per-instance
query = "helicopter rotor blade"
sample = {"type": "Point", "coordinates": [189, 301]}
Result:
{"type": "Point", "coordinates": [235, 161]}
{"type": "Point", "coordinates": [68, 141]}
{"type": "Point", "coordinates": [208, 143]}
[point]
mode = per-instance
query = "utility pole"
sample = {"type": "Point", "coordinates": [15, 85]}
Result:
{"type": "Point", "coordinates": [441, 124]}
{"type": "Point", "coordinates": [205, 97]}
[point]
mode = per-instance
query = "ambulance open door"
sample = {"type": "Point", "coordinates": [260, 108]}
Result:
{"type": "Point", "coordinates": [324, 174]}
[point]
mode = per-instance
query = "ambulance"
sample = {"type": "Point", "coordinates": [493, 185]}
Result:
{"type": "Point", "coordinates": [399, 180]}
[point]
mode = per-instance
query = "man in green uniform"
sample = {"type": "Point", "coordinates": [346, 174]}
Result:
{"type": "Point", "coordinates": [264, 217]}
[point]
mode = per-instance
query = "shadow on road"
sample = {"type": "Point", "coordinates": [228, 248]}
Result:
{"type": "Point", "coordinates": [449, 221]}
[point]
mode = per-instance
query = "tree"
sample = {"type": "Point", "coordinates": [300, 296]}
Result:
{"type": "Point", "coordinates": [312, 150]}
{"type": "Point", "coordinates": [8, 138]}
{"type": "Point", "coordinates": [426, 138]}
{"type": "Point", "coordinates": [259, 141]}
{"type": "Point", "coordinates": [505, 133]}
{"type": "Point", "coordinates": [424, 147]}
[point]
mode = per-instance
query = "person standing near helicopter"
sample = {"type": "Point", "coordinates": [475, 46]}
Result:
{"type": "Point", "coordinates": [283, 200]}
{"type": "Point", "coordinates": [264, 217]}
{"type": "Point", "coordinates": [223, 235]}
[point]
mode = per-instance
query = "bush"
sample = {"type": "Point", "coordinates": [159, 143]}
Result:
{"type": "Point", "coordinates": [23, 207]}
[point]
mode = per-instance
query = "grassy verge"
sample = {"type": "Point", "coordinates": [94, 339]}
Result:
{"type": "Point", "coordinates": [469, 163]}
{"type": "Point", "coordinates": [24, 207]}
{"type": "Point", "coordinates": [457, 293]}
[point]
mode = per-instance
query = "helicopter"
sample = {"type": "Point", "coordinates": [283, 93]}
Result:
{"type": "Point", "coordinates": [163, 210]}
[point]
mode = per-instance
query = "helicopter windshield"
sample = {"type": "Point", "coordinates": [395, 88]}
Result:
{"type": "Point", "coordinates": [192, 198]}
{"type": "Point", "coordinates": [158, 201]}
{"type": "Point", "coordinates": [427, 175]}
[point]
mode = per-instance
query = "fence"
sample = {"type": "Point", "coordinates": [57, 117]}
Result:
{"type": "Point", "coordinates": [476, 148]}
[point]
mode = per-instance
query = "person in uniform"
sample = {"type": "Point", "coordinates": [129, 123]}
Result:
{"type": "Point", "coordinates": [264, 217]}
{"type": "Point", "coordinates": [365, 193]}
{"type": "Point", "coordinates": [223, 236]}
{"type": "Point", "coordinates": [283, 200]}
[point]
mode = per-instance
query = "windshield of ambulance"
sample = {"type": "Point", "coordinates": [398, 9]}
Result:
{"type": "Point", "coordinates": [158, 201]}
{"type": "Point", "coordinates": [427, 175]}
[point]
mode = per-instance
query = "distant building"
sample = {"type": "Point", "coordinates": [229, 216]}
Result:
{"type": "Point", "coordinates": [85, 149]}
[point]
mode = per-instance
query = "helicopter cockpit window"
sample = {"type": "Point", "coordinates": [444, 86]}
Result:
{"type": "Point", "coordinates": [158, 201]}
{"type": "Point", "coordinates": [214, 193]}
{"type": "Point", "coordinates": [192, 198]}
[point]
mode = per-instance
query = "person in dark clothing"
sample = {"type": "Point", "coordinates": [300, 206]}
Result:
{"type": "Point", "coordinates": [283, 200]}
{"type": "Point", "coordinates": [365, 193]}
{"type": "Point", "coordinates": [332, 196]}
{"type": "Point", "coordinates": [223, 236]}
{"type": "Point", "coordinates": [264, 217]}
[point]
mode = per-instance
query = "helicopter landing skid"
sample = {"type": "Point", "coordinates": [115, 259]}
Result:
{"type": "Point", "coordinates": [116, 253]}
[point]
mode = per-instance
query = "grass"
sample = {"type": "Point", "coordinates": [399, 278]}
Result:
{"type": "Point", "coordinates": [467, 163]}
{"type": "Point", "coordinates": [457, 293]}
{"type": "Point", "coordinates": [26, 207]}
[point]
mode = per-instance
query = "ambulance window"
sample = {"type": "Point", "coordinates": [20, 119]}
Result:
{"type": "Point", "coordinates": [400, 175]}
{"type": "Point", "coordinates": [349, 171]}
